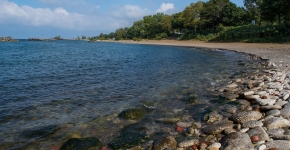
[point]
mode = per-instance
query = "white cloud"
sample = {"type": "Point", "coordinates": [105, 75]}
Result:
{"type": "Point", "coordinates": [11, 13]}
{"type": "Point", "coordinates": [165, 7]}
{"type": "Point", "coordinates": [130, 11]}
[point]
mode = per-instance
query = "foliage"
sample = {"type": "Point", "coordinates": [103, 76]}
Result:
{"type": "Point", "coordinates": [217, 20]}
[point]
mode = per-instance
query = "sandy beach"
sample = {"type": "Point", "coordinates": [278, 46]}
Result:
{"type": "Point", "coordinates": [279, 54]}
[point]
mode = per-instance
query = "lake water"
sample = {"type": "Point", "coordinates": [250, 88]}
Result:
{"type": "Point", "coordinates": [79, 87]}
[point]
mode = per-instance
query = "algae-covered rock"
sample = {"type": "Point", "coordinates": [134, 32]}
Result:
{"type": "Point", "coordinates": [133, 113]}
{"type": "Point", "coordinates": [39, 132]}
{"type": "Point", "coordinates": [82, 144]}
{"type": "Point", "coordinates": [131, 136]}
{"type": "Point", "coordinates": [212, 117]}
{"type": "Point", "coordinates": [218, 127]}
{"type": "Point", "coordinates": [165, 143]}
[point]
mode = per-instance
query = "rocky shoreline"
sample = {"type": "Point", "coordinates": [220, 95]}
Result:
{"type": "Point", "coordinates": [260, 120]}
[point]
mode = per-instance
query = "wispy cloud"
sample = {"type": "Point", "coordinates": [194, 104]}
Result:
{"type": "Point", "coordinates": [165, 7]}
{"type": "Point", "coordinates": [130, 11]}
{"type": "Point", "coordinates": [59, 17]}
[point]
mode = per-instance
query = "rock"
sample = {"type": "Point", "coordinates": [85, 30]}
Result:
{"type": "Point", "coordinates": [231, 110]}
{"type": "Point", "coordinates": [215, 145]}
{"type": "Point", "coordinates": [202, 146]}
{"type": "Point", "coordinates": [252, 124]}
{"type": "Point", "coordinates": [217, 128]}
{"type": "Point", "coordinates": [274, 112]}
{"type": "Point", "coordinates": [133, 113]}
{"type": "Point", "coordinates": [280, 103]}
{"type": "Point", "coordinates": [212, 117]}
{"type": "Point", "coordinates": [276, 122]}
{"type": "Point", "coordinates": [245, 116]}
{"type": "Point", "coordinates": [285, 112]}
{"type": "Point", "coordinates": [280, 137]}
{"type": "Point", "coordinates": [82, 144]}
{"type": "Point", "coordinates": [233, 85]}
{"type": "Point", "coordinates": [130, 136]}
{"type": "Point", "coordinates": [255, 138]}
{"type": "Point", "coordinates": [165, 143]}
{"type": "Point", "coordinates": [244, 130]}
{"type": "Point", "coordinates": [188, 143]}
{"type": "Point", "coordinates": [168, 120]}
{"type": "Point", "coordinates": [249, 93]}
{"type": "Point", "coordinates": [244, 102]}
{"type": "Point", "coordinates": [266, 101]}
{"type": "Point", "coordinates": [39, 132]}
{"type": "Point", "coordinates": [179, 129]}
{"type": "Point", "coordinates": [237, 141]}
{"type": "Point", "coordinates": [262, 147]}
{"type": "Point", "coordinates": [285, 97]}
{"type": "Point", "coordinates": [229, 130]}
{"type": "Point", "coordinates": [229, 96]}
{"type": "Point", "coordinates": [260, 132]}
{"type": "Point", "coordinates": [276, 131]}
{"type": "Point", "coordinates": [270, 107]}
{"type": "Point", "coordinates": [279, 144]}
{"type": "Point", "coordinates": [184, 124]}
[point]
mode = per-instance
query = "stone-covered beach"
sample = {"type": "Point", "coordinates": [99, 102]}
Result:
{"type": "Point", "coordinates": [259, 121]}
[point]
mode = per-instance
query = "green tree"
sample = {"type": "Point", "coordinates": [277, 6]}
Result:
{"type": "Point", "coordinates": [190, 17]}
{"type": "Point", "coordinates": [84, 37]}
{"type": "Point", "coordinates": [119, 34]}
{"type": "Point", "coordinates": [253, 9]}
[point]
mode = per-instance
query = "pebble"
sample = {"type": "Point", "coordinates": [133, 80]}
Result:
{"type": "Point", "coordinates": [266, 101]}
{"type": "Point", "coordinates": [254, 138]}
{"type": "Point", "coordinates": [262, 147]}
{"type": "Point", "coordinates": [188, 143]}
{"type": "Point", "coordinates": [274, 112]}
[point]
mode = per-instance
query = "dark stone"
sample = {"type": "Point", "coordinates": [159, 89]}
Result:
{"type": "Point", "coordinates": [39, 132]}
{"type": "Point", "coordinates": [229, 96]}
{"type": "Point", "coordinates": [82, 144]}
{"type": "Point", "coordinates": [133, 113]}
{"type": "Point", "coordinates": [168, 143]}
{"type": "Point", "coordinates": [131, 136]}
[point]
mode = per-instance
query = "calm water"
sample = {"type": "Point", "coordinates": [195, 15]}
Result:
{"type": "Point", "coordinates": [80, 86]}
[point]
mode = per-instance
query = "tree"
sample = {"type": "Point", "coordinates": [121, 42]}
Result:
{"type": "Point", "coordinates": [175, 23]}
{"type": "Point", "coordinates": [275, 10]}
{"type": "Point", "coordinates": [119, 34]}
{"type": "Point", "coordinates": [233, 15]}
{"type": "Point", "coordinates": [190, 17]}
{"type": "Point", "coordinates": [213, 10]}
{"type": "Point", "coordinates": [254, 10]}
{"type": "Point", "coordinates": [84, 37]}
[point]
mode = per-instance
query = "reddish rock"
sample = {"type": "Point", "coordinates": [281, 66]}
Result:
{"type": "Point", "coordinates": [264, 97]}
{"type": "Point", "coordinates": [179, 129]}
{"type": "Point", "coordinates": [105, 148]}
{"type": "Point", "coordinates": [254, 138]}
{"type": "Point", "coordinates": [273, 149]}
{"type": "Point", "coordinates": [257, 109]}
{"type": "Point", "coordinates": [194, 147]}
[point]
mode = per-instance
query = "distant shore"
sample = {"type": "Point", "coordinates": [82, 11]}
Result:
{"type": "Point", "coordinates": [277, 54]}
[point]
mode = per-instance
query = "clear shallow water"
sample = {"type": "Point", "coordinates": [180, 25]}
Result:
{"type": "Point", "coordinates": [76, 85]}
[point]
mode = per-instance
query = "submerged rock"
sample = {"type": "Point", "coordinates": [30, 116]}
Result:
{"type": "Point", "coordinates": [39, 132]}
{"type": "Point", "coordinates": [237, 141]}
{"type": "Point", "coordinates": [252, 124]}
{"type": "Point", "coordinates": [133, 113]}
{"type": "Point", "coordinates": [130, 136]}
{"type": "Point", "coordinates": [245, 116]}
{"type": "Point", "coordinates": [82, 144]}
{"type": "Point", "coordinates": [212, 117]}
{"type": "Point", "coordinates": [165, 143]}
{"type": "Point", "coordinates": [218, 128]}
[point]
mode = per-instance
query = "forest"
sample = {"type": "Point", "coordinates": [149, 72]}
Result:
{"type": "Point", "coordinates": [214, 20]}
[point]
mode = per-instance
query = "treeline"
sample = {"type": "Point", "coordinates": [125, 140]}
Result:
{"type": "Point", "coordinates": [213, 20]}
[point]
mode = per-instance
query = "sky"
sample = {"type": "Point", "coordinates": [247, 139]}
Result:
{"type": "Point", "coordinates": [23, 19]}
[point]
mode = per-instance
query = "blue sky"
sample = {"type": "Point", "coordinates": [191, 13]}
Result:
{"type": "Point", "coordinates": [72, 18]}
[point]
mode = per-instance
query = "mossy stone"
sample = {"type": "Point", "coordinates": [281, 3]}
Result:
{"type": "Point", "coordinates": [133, 113]}
{"type": "Point", "coordinates": [82, 144]}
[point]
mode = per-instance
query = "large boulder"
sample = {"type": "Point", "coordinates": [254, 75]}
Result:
{"type": "Point", "coordinates": [237, 141]}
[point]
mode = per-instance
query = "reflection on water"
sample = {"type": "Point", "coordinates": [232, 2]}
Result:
{"type": "Point", "coordinates": [51, 91]}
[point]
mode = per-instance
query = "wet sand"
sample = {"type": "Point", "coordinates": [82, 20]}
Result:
{"type": "Point", "coordinates": [277, 54]}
